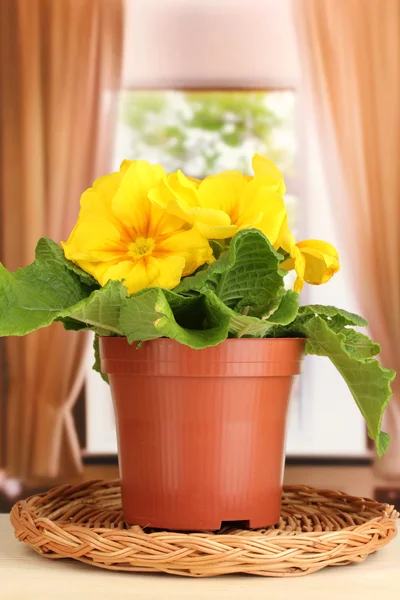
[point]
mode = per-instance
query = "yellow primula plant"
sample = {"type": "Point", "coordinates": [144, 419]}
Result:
{"type": "Point", "coordinates": [156, 254]}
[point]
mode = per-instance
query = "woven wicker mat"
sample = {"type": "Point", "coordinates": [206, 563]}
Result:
{"type": "Point", "coordinates": [317, 528]}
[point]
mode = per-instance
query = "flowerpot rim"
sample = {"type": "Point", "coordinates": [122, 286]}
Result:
{"type": "Point", "coordinates": [253, 357]}
{"type": "Point", "coordinates": [227, 341]}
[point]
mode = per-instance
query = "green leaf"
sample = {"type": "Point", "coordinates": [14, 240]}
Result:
{"type": "Point", "coordinates": [242, 325]}
{"type": "Point", "coordinates": [249, 327]}
{"type": "Point", "coordinates": [383, 443]}
{"type": "Point", "coordinates": [245, 276]}
{"type": "Point", "coordinates": [239, 325]}
{"type": "Point", "coordinates": [338, 316]}
{"type": "Point", "coordinates": [49, 251]}
{"type": "Point", "coordinates": [217, 248]}
{"type": "Point", "coordinates": [97, 362]}
{"type": "Point", "coordinates": [189, 312]}
{"type": "Point", "coordinates": [147, 315]}
{"type": "Point", "coordinates": [287, 309]}
{"type": "Point", "coordinates": [72, 325]}
{"type": "Point", "coordinates": [359, 345]}
{"type": "Point", "coordinates": [101, 310]}
{"type": "Point", "coordinates": [34, 297]}
{"type": "Point", "coordinates": [368, 382]}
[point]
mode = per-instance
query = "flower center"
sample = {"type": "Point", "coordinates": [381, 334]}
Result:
{"type": "Point", "coordinates": [141, 247]}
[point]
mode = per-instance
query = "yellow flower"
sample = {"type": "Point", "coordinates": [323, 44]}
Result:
{"type": "Point", "coordinates": [221, 205]}
{"type": "Point", "coordinates": [269, 172]}
{"type": "Point", "coordinates": [314, 261]}
{"type": "Point", "coordinates": [120, 234]}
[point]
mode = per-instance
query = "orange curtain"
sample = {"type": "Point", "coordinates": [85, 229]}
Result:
{"type": "Point", "coordinates": [60, 63]}
{"type": "Point", "coordinates": [350, 55]}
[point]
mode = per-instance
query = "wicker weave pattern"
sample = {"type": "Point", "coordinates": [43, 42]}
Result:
{"type": "Point", "coordinates": [317, 528]}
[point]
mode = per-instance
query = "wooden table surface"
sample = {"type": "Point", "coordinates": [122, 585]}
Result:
{"type": "Point", "coordinates": [26, 576]}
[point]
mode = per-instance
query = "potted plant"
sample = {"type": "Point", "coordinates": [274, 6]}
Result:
{"type": "Point", "coordinates": [183, 283]}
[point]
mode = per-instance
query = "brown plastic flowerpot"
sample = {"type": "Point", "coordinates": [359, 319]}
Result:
{"type": "Point", "coordinates": [201, 433]}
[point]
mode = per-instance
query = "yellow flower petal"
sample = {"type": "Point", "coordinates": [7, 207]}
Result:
{"type": "Point", "coordinates": [125, 165]}
{"type": "Point", "coordinates": [288, 264]}
{"type": "Point", "coordinates": [315, 262]}
{"type": "Point", "coordinates": [162, 223]}
{"type": "Point", "coordinates": [324, 248]}
{"type": "Point", "coordinates": [264, 209]}
{"type": "Point", "coordinates": [98, 198]}
{"type": "Point", "coordinates": [93, 239]}
{"type": "Point", "coordinates": [130, 203]}
{"type": "Point", "coordinates": [285, 239]}
{"type": "Point", "coordinates": [298, 285]}
{"type": "Point", "coordinates": [209, 216]}
{"type": "Point", "coordinates": [120, 270]}
{"type": "Point", "coordinates": [183, 207]}
{"type": "Point", "coordinates": [176, 193]}
{"type": "Point", "coordinates": [183, 187]}
{"type": "Point", "coordinates": [297, 262]}
{"type": "Point", "coordinates": [190, 245]}
{"type": "Point", "coordinates": [96, 269]}
{"type": "Point", "coordinates": [144, 273]}
{"type": "Point", "coordinates": [157, 169]}
{"type": "Point", "coordinates": [223, 192]}
{"type": "Point", "coordinates": [149, 271]}
{"type": "Point", "coordinates": [175, 205]}
{"type": "Point", "coordinates": [170, 271]}
{"type": "Point", "coordinates": [216, 232]}
{"type": "Point", "coordinates": [269, 173]}
{"type": "Point", "coordinates": [321, 261]}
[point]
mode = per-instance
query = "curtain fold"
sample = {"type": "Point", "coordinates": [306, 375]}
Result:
{"type": "Point", "coordinates": [60, 64]}
{"type": "Point", "coordinates": [350, 58]}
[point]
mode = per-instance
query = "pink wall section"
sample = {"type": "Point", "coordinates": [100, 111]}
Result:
{"type": "Point", "coordinates": [209, 43]}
